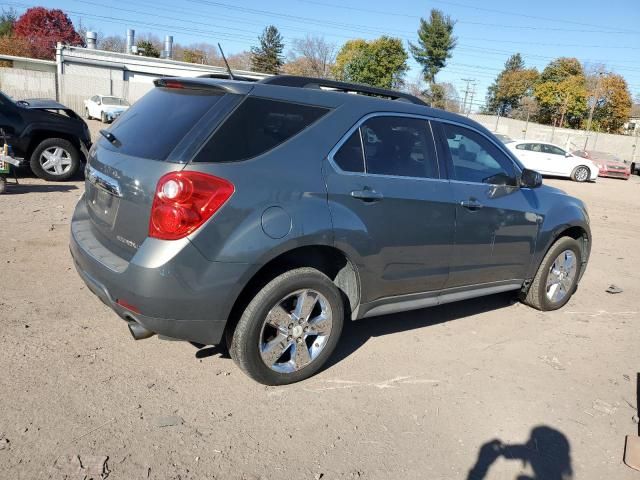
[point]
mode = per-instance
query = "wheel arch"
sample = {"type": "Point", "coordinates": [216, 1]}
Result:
{"type": "Point", "coordinates": [38, 136]}
{"type": "Point", "coordinates": [330, 260]}
{"type": "Point", "coordinates": [578, 231]}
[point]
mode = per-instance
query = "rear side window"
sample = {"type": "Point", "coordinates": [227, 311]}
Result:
{"type": "Point", "coordinates": [399, 146]}
{"type": "Point", "coordinates": [156, 123]}
{"type": "Point", "coordinates": [257, 126]}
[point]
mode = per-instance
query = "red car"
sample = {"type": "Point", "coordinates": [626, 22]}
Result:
{"type": "Point", "coordinates": [608, 164]}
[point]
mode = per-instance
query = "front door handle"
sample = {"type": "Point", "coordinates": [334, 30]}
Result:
{"type": "Point", "coordinates": [471, 204]}
{"type": "Point", "coordinates": [367, 195]}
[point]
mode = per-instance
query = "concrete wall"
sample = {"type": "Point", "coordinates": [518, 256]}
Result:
{"type": "Point", "coordinates": [621, 145]}
{"type": "Point", "coordinates": [20, 84]}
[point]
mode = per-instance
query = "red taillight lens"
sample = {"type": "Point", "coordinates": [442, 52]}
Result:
{"type": "Point", "coordinates": [184, 201]}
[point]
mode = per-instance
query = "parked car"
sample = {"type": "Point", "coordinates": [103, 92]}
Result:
{"type": "Point", "coordinates": [503, 138]}
{"type": "Point", "coordinates": [105, 107]}
{"type": "Point", "coordinates": [609, 165]}
{"type": "Point", "coordinates": [264, 215]}
{"type": "Point", "coordinates": [550, 159]}
{"type": "Point", "coordinates": [51, 136]}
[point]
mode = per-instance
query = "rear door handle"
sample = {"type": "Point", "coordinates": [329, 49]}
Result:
{"type": "Point", "coordinates": [471, 204]}
{"type": "Point", "coordinates": [367, 195]}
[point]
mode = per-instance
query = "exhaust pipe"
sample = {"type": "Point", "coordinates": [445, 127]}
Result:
{"type": "Point", "coordinates": [138, 332]}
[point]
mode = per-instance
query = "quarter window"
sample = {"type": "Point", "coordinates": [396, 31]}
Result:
{"type": "Point", "coordinates": [399, 146]}
{"type": "Point", "coordinates": [257, 126]}
{"type": "Point", "coordinates": [349, 157]}
{"type": "Point", "coordinates": [476, 159]}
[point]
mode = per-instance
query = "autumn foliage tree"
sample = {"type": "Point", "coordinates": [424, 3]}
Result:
{"type": "Point", "coordinates": [43, 28]}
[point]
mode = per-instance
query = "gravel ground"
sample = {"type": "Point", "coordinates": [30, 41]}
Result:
{"type": "Point", "coordinates": [426, 394]}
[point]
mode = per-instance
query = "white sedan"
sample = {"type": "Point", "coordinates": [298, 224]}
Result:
{"type": "Point", "coordinates": [549, 159]}
{"type": "Point", "coordinates": [105, 107]}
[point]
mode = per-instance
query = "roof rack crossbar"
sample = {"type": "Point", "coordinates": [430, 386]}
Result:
{"type": "Point", "coordinates": [310, 82]}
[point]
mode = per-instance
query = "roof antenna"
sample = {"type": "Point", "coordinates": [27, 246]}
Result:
{"type": "Point", "coordinates": [226, 63]}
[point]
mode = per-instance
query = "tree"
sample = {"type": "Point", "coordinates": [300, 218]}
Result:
{"type": "Point", "coordinates": [311, 56]}
{"type": "Point", "coordinates": [112, 43]}
{"type": "Point", "coordinates": [613, 103]}
{"type": "Point", "coordinates": [510, 87]}
{"type": "Point", "coordinates": [16, 46]}
{"type": "Point", "coordinates": [193, 56]}
{"type": "Point", "coordinates": [267, 57]}
{"type": "Point", "coordinates": [381, 62]}
{"type": "Point", "coordinates": [435, 44]}
{"type": "Point", "coordinates": [43, 28]}
{"type": "Point", "coordinates": [561, 93]}
{"type": "Point", "coordinates": [240, 61]}
{"type": "Point", "coordinates": [148, 49]}
{"type": "Point", "coordinates": [7, 19]}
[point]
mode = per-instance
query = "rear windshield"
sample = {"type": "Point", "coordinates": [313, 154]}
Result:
{"type": "Point", "coordinates": [257, 126]}
{"type": "Point", "coordinates": [156, 123]}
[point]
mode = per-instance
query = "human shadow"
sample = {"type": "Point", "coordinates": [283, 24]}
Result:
{"type": "Point", "coordinates": [356, 333]}
{"type": "Point", "coordinates": [547, 452]}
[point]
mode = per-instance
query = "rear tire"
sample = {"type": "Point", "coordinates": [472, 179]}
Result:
{"type": "Point", "coordinates": [581, 174]}
{"type": "Point", "coordinates": [254, 334]}
{"type": "Point", "coordinates": [70, 160]}
{"type": "Point", "coordinates": [538, 295]}
{"type": "Point", "coordinates": [3, 184]}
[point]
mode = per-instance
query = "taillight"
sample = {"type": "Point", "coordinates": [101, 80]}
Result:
{"type": "Point", "coordinates": [184, 201]}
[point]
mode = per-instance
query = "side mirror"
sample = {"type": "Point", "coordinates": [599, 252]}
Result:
{"type": "Point", "coordinates": [530, 179]}
{"type": "Point", "coordinates": [568, 154]}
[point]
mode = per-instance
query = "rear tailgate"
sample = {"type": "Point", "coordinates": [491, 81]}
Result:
{"type": "Point", "coordinates": [157, 135]}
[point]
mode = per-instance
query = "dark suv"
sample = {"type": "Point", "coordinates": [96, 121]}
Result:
{"type": "Point", "coordinates": [265, 214]}
{"type": "Point", "coordinates": [49, 135]}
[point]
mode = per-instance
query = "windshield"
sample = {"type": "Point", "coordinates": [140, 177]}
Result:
{"type": "Point", "coordinates": [114, 101]}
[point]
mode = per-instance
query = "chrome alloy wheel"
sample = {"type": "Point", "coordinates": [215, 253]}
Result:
{"type": "Point", "coordinates": [582, 174]}
{"type": "Point", "coordinates": [561, 276]}
{"type": "Point", "coordinates": [55, 160]}
{"type": "Point", "coordinates": [295, 331]}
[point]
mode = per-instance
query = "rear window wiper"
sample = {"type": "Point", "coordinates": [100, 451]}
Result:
{"type": "Point", "coordinates": [111, 138]}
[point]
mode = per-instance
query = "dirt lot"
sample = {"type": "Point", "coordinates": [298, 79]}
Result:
{"type": "Point", "coordinates": [415, 395]}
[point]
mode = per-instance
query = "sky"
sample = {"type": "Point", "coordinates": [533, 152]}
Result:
{"type": "Point", "coordinates": [488, 32]}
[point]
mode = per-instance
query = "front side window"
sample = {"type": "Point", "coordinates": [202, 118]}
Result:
{"type": "Point", "coordinates": [553, 150]}
{"type": "Point", "coordinates": [399, 146]}
{"type": "Point", "coordinates": [523, 146]}
{"type": "Point", "coordinates": [257, 126]}
{"type": "Point", "coordinates": [475, 159]}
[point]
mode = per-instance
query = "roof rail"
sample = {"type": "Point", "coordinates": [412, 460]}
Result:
{"type": "Point", "coordinates": [310, 82]}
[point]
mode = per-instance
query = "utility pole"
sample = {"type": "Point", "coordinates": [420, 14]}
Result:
{"type": "Point", "coordinates": [473, 92]}
{"type": "Point", "coordinates": [466, 92]}
{"type": "Point", "coordinates": [593, 107]}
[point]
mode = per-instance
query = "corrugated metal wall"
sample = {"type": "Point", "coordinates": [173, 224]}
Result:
{"type": "Point", "coordinates": [20, 84]}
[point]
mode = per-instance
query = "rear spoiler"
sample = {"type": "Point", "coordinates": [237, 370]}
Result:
{"type": "Point", "coordinates": [211, 84]}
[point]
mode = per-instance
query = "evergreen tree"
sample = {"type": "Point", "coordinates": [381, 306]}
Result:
{"type": "Point", "coordinates": [267, 57]}
{"type": "Point", "coordinates": [435, 44]}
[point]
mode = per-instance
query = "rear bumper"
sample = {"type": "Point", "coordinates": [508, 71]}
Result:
{"type": "Point", "coordinates": [185, 297]}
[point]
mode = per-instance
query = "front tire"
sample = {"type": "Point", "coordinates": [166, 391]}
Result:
{"type": "Point", "coordinates": [289, 329]}
{"type": "Point", "coordinates": [581, 174]}
{"type": "Point", "coordinates": [103, 118]}
{"type": "Point", "coordinates": [55, 159]}
{"type": "Point", "coordinates": [557, 277]}
{"type": "Point", "coordinates": [86, 114]}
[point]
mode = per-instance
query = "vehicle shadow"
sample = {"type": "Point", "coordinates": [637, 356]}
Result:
{"type": "Point", "coordinates": [22, 188]}
{"type": "Point", "coordinates": [547, 452]}
{"type": "Point", "coordinates": [356, 333]}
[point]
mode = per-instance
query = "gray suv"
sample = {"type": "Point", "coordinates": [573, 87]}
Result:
{"type": "Point", "coordinates": [266, 214]}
